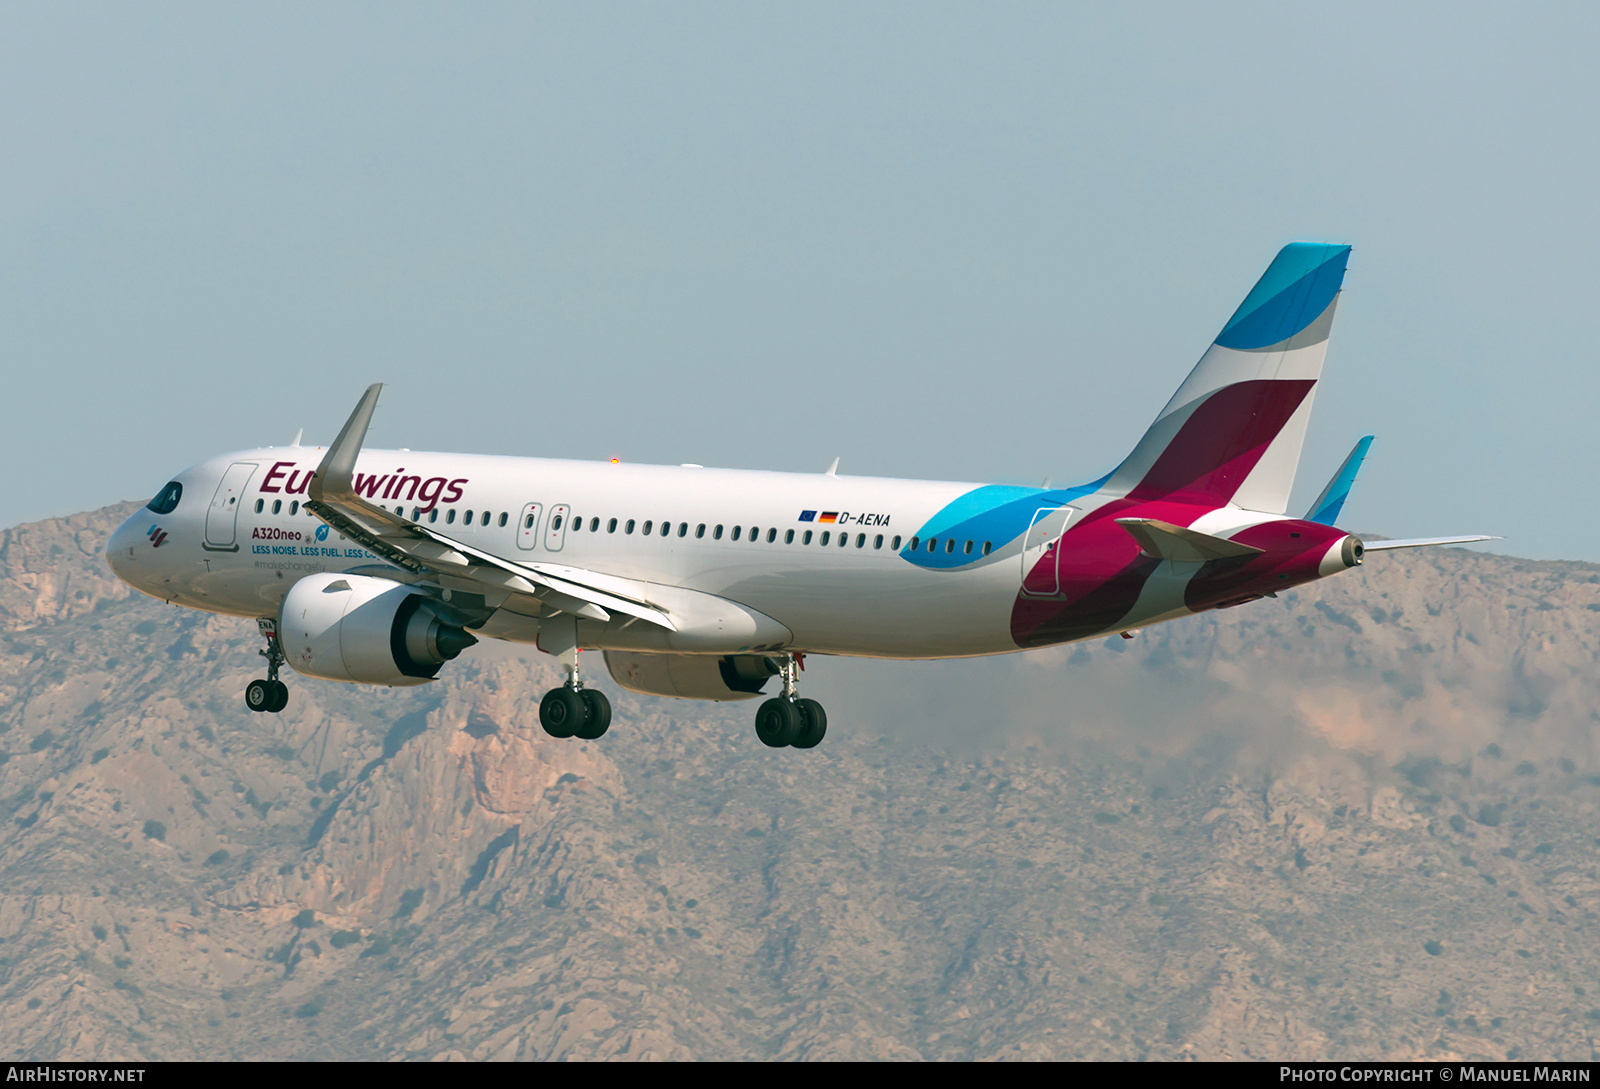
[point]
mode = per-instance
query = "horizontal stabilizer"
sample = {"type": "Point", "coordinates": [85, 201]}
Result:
{"type": "Point", "coordinates": [1165, 541]}
{"type": "Point", "coordinates": [1325, 511]}
{"type": "Point", "coordinates": [1422, 542]}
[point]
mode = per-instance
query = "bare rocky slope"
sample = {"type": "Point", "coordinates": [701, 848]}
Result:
{"type": "Point", "coordinates": [1360, 821]}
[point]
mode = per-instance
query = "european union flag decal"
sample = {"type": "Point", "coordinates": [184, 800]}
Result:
{"type": "Point", "coordinates": [808, 516]}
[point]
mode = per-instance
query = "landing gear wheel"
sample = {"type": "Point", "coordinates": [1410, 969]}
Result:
{"type": "Point", "coordinates": [259, 695]}
{"type": "Point", "coordinates": [597, 717]}
{"type": "Point", "coordinates": [271, 694]}
{"type": "Point", "coordinates": [777, 722]}
{"type": "Point", "coordinates": [813, 724]}
{"type": "Point", "coordinates": [562, 712]}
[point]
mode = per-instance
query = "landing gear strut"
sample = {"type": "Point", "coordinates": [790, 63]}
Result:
{"type": "Point", "coordinates": [788, 720]}
{"type": "Point", "coordinates": [573, 710]}
{"type": "Point", "coordinates": [270, 694]}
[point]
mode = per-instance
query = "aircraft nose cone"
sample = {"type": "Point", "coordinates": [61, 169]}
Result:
{"type": "Point", "coordinates": [122, 548]}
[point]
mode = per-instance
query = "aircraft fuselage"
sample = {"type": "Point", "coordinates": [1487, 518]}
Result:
{"type": "Point", "coordinates": [845, 565]}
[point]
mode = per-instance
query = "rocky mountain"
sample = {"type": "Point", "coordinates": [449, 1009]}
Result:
{"type": "Point", "coordinates": [1359, 821]}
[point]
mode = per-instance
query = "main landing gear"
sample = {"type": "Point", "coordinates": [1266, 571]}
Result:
{"type": "Point", "coordinates": [788, 720]}
{"type": "Point", "coordinates": [573, 710]}
{"type": "Point", "coordinates": [270, 694]}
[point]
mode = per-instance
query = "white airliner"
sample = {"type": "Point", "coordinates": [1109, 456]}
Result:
{"type": "Point", "coordinates": [379, 566]}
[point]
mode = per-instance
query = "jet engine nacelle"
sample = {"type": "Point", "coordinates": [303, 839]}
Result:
{"type": "Point", "coordinates": [365, 630]}
{"type": "Point", "coordinates": [692, 676]}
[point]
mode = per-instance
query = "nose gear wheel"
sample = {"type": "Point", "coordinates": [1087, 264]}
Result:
{"type": "Point", "coordinates": [270, 695]}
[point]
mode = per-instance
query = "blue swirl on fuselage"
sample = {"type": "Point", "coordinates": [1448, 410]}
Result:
{"type": "Point", "coordinates": [997, 513]}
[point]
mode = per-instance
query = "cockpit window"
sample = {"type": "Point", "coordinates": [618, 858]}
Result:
{"type": "Point", "coordinates": [166, 500]}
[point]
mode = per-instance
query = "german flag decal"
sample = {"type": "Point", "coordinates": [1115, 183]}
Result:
{"type": "Point", "coordinates": [828, 516]}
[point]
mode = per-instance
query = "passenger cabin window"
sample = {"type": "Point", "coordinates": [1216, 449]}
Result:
{"type": "Point", "coordinates": [294, 507]}
{"type": "Point", "coordinates": [555, 523]}
{"type": "Point", "coordinates": [527, 523]}
{"type": "Point", "coordinates": [277, 506]}
{"type": "Point", "coordinates": [166, 500]}
{"type": "Point", "coordinates": [967, 551]}
{"type": "Point", "coordinates": [629, 527]}
{"type": "Point", "coordinates": [648, 526]}
{"type": "Point", "coordinates": [877, 542]}
{"type": "Point", "coordinates": [666, 528]}
{"type": "Point", "coordinates": [915, 542]}
{"type": "Point", "coordinates": [716, 534]}
{"type": "Point", "coordinates": [450, 516]}
{"type": "Point", "coordinates": [259, 504]}
{"type": "Point", "coordinates": [788, 536]}
{"type": "Point", "coordinates": [503, 518]}
{"type": "Point", "coordinates": [735, 535]}
{"type": "Point", "coordinates": [861, 540]}
{"type": "Point", "coordinates": [466, 519]}
{"type": "Point", "coordinates": [986, 547]}
{"type": "Point", "coordinates": [594, 525]}
{"type": "Point", "coordinates": [485, 520]}
{"type": "Point", "coordinates": [683, 529]}
{"type": "Point", "coordinates": [699, 531]}
{"type": "Point", "coordinates": [433, 516]}
{"type": "Point", "coordinates": [611, 526]}
{"type": "Point", "coordinates": [895, 544]}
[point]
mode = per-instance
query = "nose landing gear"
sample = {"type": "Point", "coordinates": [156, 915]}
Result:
{"type": "Point", "coordinates": [788, 720]}
{"type": "Point", "coordinates": [271, 694]}
{"type": "Point", "coordinates": [573, 710]}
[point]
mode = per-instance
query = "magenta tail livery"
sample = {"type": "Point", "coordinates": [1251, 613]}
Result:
{"type": "Point", "coordinates": [380, 566]}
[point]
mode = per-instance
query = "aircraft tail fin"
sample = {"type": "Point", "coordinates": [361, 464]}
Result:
{"type": "Point", "coordinates": [1233, 431]}
{"type": "Point", "coordinates": [1325, 510]}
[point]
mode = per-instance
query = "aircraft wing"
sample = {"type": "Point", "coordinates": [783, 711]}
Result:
{"type": "Point", "coordinates": [332, 497]}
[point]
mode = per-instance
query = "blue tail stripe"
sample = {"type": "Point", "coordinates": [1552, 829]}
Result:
{"type": "Point", "coordinates": [997, 513]}
{"type": "Point", "coordinates": [1294, 291]}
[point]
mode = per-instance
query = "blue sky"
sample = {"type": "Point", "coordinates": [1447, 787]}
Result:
{"type": "Point", "coordinates": [953, 241]}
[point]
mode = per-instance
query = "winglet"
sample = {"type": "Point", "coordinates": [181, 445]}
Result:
{"type": "Point", "coordinates": [1325, 511]}
{"type": "Point", "coordinates": [334, 476]}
